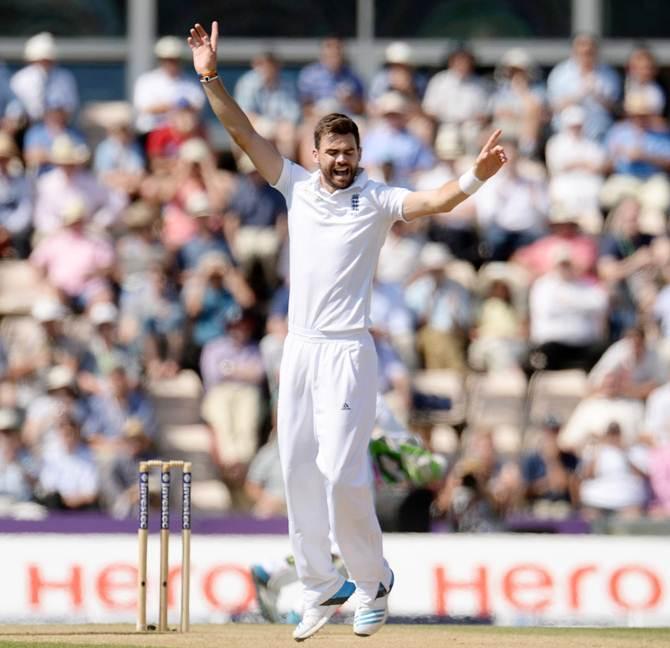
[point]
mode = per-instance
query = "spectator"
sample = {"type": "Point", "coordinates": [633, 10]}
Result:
{"type": "Point", "coordinates": [457, 97]}
{"type": "Point", "coordinates": [331, 78]}
{"type": "Point", "coordinates": [567, 318]}
{"type": "Point", "coordinates": [213, 296]}
{"type": "Point", "coordinates": [641, 73]}
{"type": "Point", "coordinates": [71, 182]}
{"type": "Point", "coordinates": [119, 496]}
{"type": "Point", "coordinates": [232, 372]}
{"type": "Point", "coordinates": [512, 208]}
{"type": "Point", "coordinates": [121, 399]}
{"type": "Point", "coordinates": [498, 337]}
{"type": "Point", "coordinates": [272, 344]}
{"type": "Point", "coordinates": [263, 93]}
{"type": "Point", "coordinates": [391, 142]}
{"type": "Point", "coordinates": [576, 166]}
{"type": "Point", "coordinates": [638, 148]}
{"type": "Point", "coordinates": [619, 384]}
{"type": "Point", "coordinates": [443, 310]}
{"type": "Point", "coordinates": [550, 474]}
{"type": "Point", "coordinates": [656, 428]}
{"type": "Point", "coordinates": [73, 261]}
{"type": "Point", "coordinates": [518, 102]}
{"type": "Point", "coordinates": [68, 478]}
{"type": "Point", "coordinates": [16, 202]}
{"type": "Point", "coordinates": [156, 92]}
{"type": "Point", "coordinates": [399, 75]}
{"type": "Point", "coordinates": [611, 482]}
{"type": "Point", "coordinates": [17, 466]}
{"type": "Point", "coordinates": [565, 233]}
{"type": "Point", "coordinates": [256, 222]}
{"type": "Point", "coordinates": [43, 81]}
{"type": "Point", "coordinates": [264, 484]}
{"type": "Point", "coordinates": [12, 113]}
{"type": "Point", "coordinates": [40, 137]}
{"type": "Point", "coordinates": [118, 161]}
{"type": "Point", "coordinates": [625, 261]}
{"type": "Point", "coordinates": [583, 80]}
{"type": "Point", "coordinates": [208, 236]}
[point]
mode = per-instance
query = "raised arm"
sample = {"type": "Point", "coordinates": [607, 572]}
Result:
{"type": "Point", "coordinates": [263, 154]}
{"type": "Point", "coordinates": [445, 198]}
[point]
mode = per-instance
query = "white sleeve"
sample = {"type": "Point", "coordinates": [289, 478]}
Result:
{"type": "Point", "coordinates": [391, 201]}
{"type": "Point", "coordinates": [290, 174]}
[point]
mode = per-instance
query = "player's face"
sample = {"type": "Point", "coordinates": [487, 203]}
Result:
{"type": "Point", "coordinates": [338, 158]}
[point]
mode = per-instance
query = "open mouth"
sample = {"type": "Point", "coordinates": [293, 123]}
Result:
{"type": "Point", "coordinates": [341, 173]}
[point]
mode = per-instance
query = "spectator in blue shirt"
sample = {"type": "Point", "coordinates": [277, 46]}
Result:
{"type": "Point", "coordinates": [16, 203]}
{"type": "Point", "coordinates": [392, 143]}
{"type": "Point", "coordinates": [262, 92]}
{"type": "Point", "coordinates": [583, 80]}
{"type": "Point", "coordinates": [399, 74]}
{"type": "Point", "coordinates": [331, 78]}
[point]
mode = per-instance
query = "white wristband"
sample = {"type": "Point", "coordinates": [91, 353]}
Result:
{"type": "Point", "coordinates": [468, 183]}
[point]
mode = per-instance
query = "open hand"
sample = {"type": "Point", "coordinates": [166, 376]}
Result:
{"type": "Point", "coordinates": [203, 48]}
{"type": "Point", "coordinates": [490, 158]}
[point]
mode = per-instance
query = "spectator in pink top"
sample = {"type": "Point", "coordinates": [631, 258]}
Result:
{"type": "Point", "coordinates": [538, 258]}
{"type": "Point", "coordinates": [70, 181]}
{"type": "Point", "coordinates": [73, 261]}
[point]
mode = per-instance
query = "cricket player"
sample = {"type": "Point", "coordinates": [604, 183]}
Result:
{"type": "Point", "coordinates": [338, 219]}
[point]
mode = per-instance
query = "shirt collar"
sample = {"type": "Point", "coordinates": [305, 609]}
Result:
{"type": "Point", "coordinates": [359, 182]}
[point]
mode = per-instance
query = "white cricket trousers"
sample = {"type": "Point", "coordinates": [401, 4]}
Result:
{"type": "Point", "coordinates": [326, 413]}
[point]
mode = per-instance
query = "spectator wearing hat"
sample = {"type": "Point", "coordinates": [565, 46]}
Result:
{"type": "Point", "coordinates": [73, 260]}
{"type": "Point", "coordinates": [208, 236]}
{"type": "Point", "coordinates": [512, 208]}
{"type": "Point", "coordinates": [42, 80]}
{"type": "Point", "coordinates": [118, 160]}
{"type": "Point", "coordinates": [213, 296]}
{"type": "Point", "coordinates": [40, 137]}
{"type": "Point", "coordinates": [458, 97]}
{"type": "Point", "coordinates": [399, 74]}
{"type": "Point", "coordinates": [331, 78]}
{"type": "Point", "coordinates": [16, 202]}
{"type": "Point", "coordinates": [139, 249]}
{"type": "Point", "coordinates": [550, 473]}
{"type": "Point", "coordinates": [442, 308]}
{"type": "Point", "coordinates": [157, 91]}
{"type": "Point", "coordinates": [68, 478]}
{"type": "Point", "coordinates": [195, 174]}
{"type": "Point", "coordinates": [70, 182]}
{"type": "Point", "coordinates": [256, 223]}
{"type": "Point", "coordinates": [263, 93]}
{"type": "Point", "coordinates": [626, 374]}
{"type": "Point", "coordinates": [565, 233]}
{"type": "Point", "coordinates": [576, 164]}
{"type": "Point", "coordinates": [518, 102]}
{"type": "Point", "coordinates": [391, 144]}
{"type": "Point", "coordinates": [232, 372]}
{"type": "Point", "coordinates": [583, 80]}
{"type": "Point", "coordinates": [568, 314]}
{"type": "Point", "coordinates": [638, 148]}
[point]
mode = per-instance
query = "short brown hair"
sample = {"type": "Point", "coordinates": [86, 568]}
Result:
{"type": "Point", "coordinates": [335, 124]}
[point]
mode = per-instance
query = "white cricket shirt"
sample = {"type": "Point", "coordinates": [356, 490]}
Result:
{"type": "Point", "coordinates": [334, 244]}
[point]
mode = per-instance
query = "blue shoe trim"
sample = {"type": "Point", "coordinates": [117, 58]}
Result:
{"type": "Point", "coordinates": [382, 591]}
{"type": "Point", "coordinates": [259, 574]}
{"type": "Point", "coordinates": [342, 595]}
{"type": "Point", "coordinates": [368, 617]}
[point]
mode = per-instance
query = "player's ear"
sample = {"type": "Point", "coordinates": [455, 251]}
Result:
{"type": "Point", "coordinates": [315, 155]}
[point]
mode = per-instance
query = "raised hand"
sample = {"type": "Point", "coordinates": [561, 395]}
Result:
{"type": "Point", "coordinates": [203, 48]}
{"type": "Point", "coordinates": [490, 158]}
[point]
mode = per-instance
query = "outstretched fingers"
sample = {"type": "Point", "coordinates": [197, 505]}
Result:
{"type": "Point", "coordinates": [215, 34]}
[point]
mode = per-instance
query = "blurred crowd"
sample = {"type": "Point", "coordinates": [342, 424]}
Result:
{"type": "Point", "coordinates": [155, 253]}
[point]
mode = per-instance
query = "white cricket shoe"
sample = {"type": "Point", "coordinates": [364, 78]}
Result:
{"type": "Point", "coordinates": [313, 619]}
{"type": "Point", "coordinates": [371, 617]}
